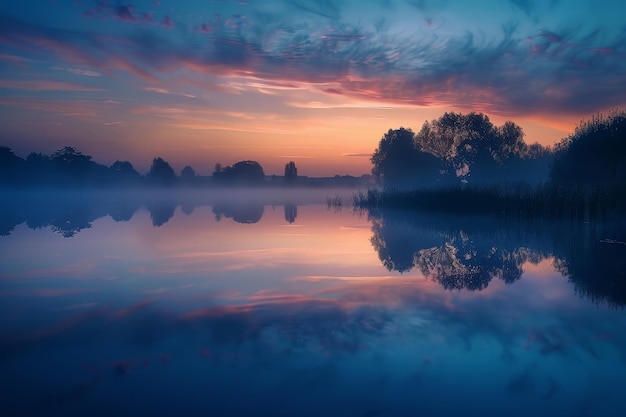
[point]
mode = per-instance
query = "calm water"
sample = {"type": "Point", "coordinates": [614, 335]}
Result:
{"type": "Point", "coordinates": [261, 305]}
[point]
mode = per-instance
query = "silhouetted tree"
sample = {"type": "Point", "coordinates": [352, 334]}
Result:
{"type": "Point", "coordinates": [187, 173]}
{"type": "Point", "coordinates": [69, 156]}
{"type": "Point", "coordinates": [12, 167]}
{"type": "Point", "coordinates": [161, 173]}
{"type": "Point", "coordinates": [476, 151]}
{"type": "Point", "coordinates": [123, 171]}
{"type": "Point", "coordinates": [398, 163]}
{"type": "Point", "coordinates": [40, 169]}
{"type": "Point", "coordinates": [291, 172]}
{"type": "Point", "coordinates": [242, 172]}
{"type": "Point", "coordinates": [77, 168]}
{"type": "Point", "coordinates": [594, 156]}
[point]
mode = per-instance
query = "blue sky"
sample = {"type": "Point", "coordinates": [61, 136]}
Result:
{"type": "Point", "coordinates": [317, 82]}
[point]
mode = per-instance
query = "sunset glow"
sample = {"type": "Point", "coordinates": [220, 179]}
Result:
{"type": "Point", "coordinates": [201, 82]}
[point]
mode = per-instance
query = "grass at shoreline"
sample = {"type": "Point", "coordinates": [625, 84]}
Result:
{"type": "Point", "coordinates": [547, 201]}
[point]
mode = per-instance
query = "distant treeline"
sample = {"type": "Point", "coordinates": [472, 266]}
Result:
{"type": "Point", "coordinates": [463, 163]}
{"type": "Point", "coordinates": [68, 167]}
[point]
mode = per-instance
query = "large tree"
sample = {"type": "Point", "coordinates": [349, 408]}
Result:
{"type": "Point", "coordinates": [398, 163]}
{"type": "Point", "coordinates": [473, 148]}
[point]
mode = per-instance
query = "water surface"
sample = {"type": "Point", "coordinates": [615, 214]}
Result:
{"type": "Point", "coordinates": [256, 304]}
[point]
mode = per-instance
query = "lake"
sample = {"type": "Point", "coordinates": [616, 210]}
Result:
{"type": "Point", "coordinates": [272, 303]}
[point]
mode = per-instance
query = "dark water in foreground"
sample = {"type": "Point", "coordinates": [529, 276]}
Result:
{"type": "Point", "coordinates": [284, 308]}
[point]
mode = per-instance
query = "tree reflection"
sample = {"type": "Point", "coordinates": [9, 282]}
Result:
{"type": "Point", "coordinates": [459, 263]}
{"type": "Point", "coordinates": [593, 257]}
{"type": "Point", "coordinates": [161, 212]}
{"type": "Point", "coordinates": [397, 244]}
{"type": "Point", "coordinates": [66, 213]}
{"type": "Point", "coordinates": [468, 253]}
{"type": "Point", "coordinates": [457, 255]}
{"type": "Point", "coordinates": [458, 252]}
{"type": "Point", "coordinates": [291, 212]}
{"type": "Point", "coordinates": [246, 213]}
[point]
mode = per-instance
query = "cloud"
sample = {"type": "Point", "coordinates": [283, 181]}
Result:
{"type": "Point", "coordinates": [524, 69]}
{"type": "Point", "coordinates": [329, 9]}
{"type": "Point", "coordinates": [44, 86]}
{"type": "Point", "coordinates": [70, 108]}
{"type": "Point", "coordinates": [524, 5]}
{"type": "Point", "coordinates": [357, 155]}
{"type": "Point", "coordinates": [87, 73]}
{"type": "Point", "coordinates": [125, 13]}
{"type": "Point", "coordinates": [13, 58]}
{"type": "Point", "coordinates": [79, 71]}
{"type": "Point", "coordinates": [166, 91]}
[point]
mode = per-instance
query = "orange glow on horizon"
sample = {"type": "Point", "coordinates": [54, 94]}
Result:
{"type": "Point", "coordinates": [323, 131]}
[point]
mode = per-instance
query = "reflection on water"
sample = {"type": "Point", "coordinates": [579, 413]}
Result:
{"type": "Point", "coordinates": [274, 305]}
{"type": "Point", "coordinates": [246, 213]}
{"type": "Point", "coordinates": [468, 252]}
{"type": "Point", "coordinates": [291, 212]}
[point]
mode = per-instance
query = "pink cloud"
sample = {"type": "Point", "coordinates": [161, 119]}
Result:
{"type": "Point", "coordinates": [44, 86]}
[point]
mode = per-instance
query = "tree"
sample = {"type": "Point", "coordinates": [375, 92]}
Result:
{"type": "Point", "coordinates": [291, 172]}
{"type": "Point", "coordinates": [77, 168]}
{"type": "Point", "coordinates": [511, 142]}
{"type": "Point", "coordinates": [242, 171]}
{"type": "Point", "coordinates": [393, 157]}
{"type": "Point", "coordinates": [40, 168]}
{"type": "Point", "coordinates": [472, 148]}
{"type": "Point", "coordinates": [161, 172]}
{"type": "Point", "coordinates": [122, 172]}
{"type": "Point", "coordinates": [11, 166]}
{"type": "Point", "coordinates": [187, 173]}
{"type": "Point", "coordinates": [398, 163]}
{"type": "Point", "coordinates": [595, 155]}
{"type": "Point", "coordinates": [123, 169]}
{"type": "Point", "coordinates": [70, 158]}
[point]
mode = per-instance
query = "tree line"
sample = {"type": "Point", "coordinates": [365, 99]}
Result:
{"type": "Point", "coordinates": [69, 166]}
{"type": "Point", "coordinates": [458, 149]}
{"type": "Point", "coordinates": [468, 149]}
{"type": "Point", "coordinates": [463, 163]}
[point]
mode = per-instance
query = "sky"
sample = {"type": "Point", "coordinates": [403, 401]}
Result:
{"type": "Point", "coordinates": [198, 82]}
